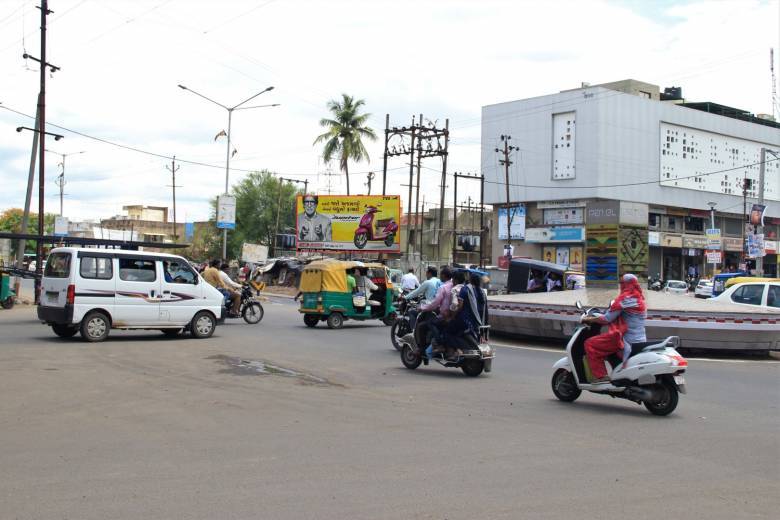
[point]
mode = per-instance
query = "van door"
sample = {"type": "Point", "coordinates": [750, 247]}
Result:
{"type": "Point", "coordinates": [138, 294]}
{"type": "Point", "coordinates": [182, 295]}
{"type": "Point", "coordinates": [56, 278]}
{"type": "Point", "coordinates": [95, 286]}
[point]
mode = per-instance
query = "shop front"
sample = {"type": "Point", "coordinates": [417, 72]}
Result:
{"type": "Point", "coordinates": [732, 254]}
{"type": "Point", "coordinates": [693, 256]}
{"type": "Point", "coordinates": [559, 245]}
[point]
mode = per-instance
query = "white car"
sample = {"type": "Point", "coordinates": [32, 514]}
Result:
{"type": "Point", "coordinates": [703, 289]}
{"type": "Point", "coordinates": [676, 287]}
{"type": "Point", "coordinates": [94, 290]}
{"type": "Point", "coordinates": [755, 294]}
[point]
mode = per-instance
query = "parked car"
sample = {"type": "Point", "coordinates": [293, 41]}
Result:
{"type": "Point", "coordinates": [676, 287]}
{"type": "Point", "coordinates": [703, 289]}
{"type": "Point", "coordinates": [756, 294]}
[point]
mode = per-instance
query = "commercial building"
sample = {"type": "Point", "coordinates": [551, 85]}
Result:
{"type": "Point", "coordinates": [621, 177]}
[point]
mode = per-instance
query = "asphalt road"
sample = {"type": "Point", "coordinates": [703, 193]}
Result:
{"type": "Point", "coordinates": [146, 427]}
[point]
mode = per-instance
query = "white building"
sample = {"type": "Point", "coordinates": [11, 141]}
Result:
{"type": "Point", "coordinates": [624, 142]}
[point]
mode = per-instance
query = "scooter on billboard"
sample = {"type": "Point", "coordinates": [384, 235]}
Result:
{"type": "Point", "coordinates": [385, 229]}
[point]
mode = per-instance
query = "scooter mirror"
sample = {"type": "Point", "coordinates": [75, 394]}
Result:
{"type": "Point", "coordinates": [579, 305]}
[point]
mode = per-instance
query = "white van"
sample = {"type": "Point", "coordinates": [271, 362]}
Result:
{"type": "Point", "coordinates": [94, 290]}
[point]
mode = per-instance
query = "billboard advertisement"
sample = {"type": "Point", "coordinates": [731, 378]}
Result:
{"type": "Point", "coordinates": [348, 223]}
{"type": "Point", "coordinates": [517, 222]}
{"type": "Point", "coordinates": [226, 212]}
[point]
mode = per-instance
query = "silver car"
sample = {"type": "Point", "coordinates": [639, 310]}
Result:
{"type": "Point", "coordinates": [703, 289]}
{"type": "Point", "coordinates": [676, 287]}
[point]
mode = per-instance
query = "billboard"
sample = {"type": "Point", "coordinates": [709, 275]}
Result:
{"type": "Point", "coordinates": [348, 223]}
{"type": "Point", "coordinates": [226, 212]}
{"type": "Point", "coordinates": [517, 222]}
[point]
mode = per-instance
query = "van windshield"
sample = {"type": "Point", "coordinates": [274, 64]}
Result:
{"type": "Point", "coordinates": [58, 265]}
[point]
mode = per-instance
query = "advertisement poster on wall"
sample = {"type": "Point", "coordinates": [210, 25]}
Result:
{"type": "Point", "coordinates": [562, 256]}
{"type": "Point", "coordinates": [517, 218]}
{"type": "Point", "coordinates": [575, 257]}
{"type": "Point", "coordinates": [348, 223]}
{"type": "Point", "coordinates": [563, 216]}
{"type": "Point", "coordinates": [226, 212]}
{"type": "Point", "coordinates": [549, 254]}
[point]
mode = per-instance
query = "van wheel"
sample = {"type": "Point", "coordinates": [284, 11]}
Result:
{"type": "Point", "coordinates": [335, 320]}
{"type": "Point", "coordinates": [95, 327]}
{"type": "Point", "coordinates": [203, 325]}
{"type": "Point", "coordinates": [64, 331]}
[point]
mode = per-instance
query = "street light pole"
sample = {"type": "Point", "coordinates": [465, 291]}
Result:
{"type": "Point", "coordinates": [230, 123]}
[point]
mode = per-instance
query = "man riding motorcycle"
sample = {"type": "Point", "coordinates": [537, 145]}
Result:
{"type": "Point", "coordinates": [440, 304]}
{"type": "Point", "coordinates": [626, 319]}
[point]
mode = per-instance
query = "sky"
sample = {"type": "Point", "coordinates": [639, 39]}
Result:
{"type": "Point", "coordinates": [116, 98]}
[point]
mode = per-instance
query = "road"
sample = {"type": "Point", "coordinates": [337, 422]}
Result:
{"type": "Point", "coordinates": [146, 427]}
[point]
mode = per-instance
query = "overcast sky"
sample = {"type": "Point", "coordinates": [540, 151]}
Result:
{"type": "Point", "coordinates": [121, 62]}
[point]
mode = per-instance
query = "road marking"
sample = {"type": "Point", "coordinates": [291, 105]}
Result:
{"type": "Point", "coordinates": [563, 351]}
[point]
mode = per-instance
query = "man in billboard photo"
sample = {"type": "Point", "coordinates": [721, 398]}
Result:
{"type": "Point", "coordinates": [313, 226]}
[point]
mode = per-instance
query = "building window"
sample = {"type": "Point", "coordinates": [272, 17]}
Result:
{"type": "Point", "coordinates": [654, 221]}
{"type": "Point", "coordinates": [732, 227]}
{"type": "Point", "coordinates": [694, 225]}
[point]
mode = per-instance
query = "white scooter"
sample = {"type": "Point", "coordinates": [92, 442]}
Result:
{"type": "Point", "coordinates": [653, 375]}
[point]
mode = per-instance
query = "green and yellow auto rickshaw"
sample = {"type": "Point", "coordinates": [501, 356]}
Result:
{"type": "Point", "coordinates": [326, 294]}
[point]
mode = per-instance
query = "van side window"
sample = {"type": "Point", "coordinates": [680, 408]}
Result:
{"type": "Point", "coordinates": [178, 271]}
{"type": "Point", "coordinates": [98, 268]}
{"type": "Point", "coordinates": [135, 270]}
{"type": "Point", "coordinates": [749, 294]}
{"type": "Point", "coordinates": [57, 266]}
{"type": "Point", "coordinates": [773, 298]}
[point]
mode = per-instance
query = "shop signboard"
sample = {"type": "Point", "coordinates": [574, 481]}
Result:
{"type": "Point", "coordinates": [517, 221]}
{"type": "Point", "coordinates": [555, 234]}
{"type": "Point", "coordinates": [553, 217]}
{"type": "Point", "coordinates": [60, 226]}
{"type": "Point", "coordinates": [770, 247]}
{"type": "Point", "coordinates": [554, 204]}
{"type": "Point", "coordinates": [713, 238]}
{"type": "Point", "coordinates": [348, 223]}
{"type": "Point", "coordinates": [653, 238]}
{"type": "Point", "coordinates": [713, 256]}
{"type": "Point", "coordinates": [732, 244]}
{"type": "Point", "coordinates": [693, 242]}
{"type": "Point", "coordinates": [669, 240]}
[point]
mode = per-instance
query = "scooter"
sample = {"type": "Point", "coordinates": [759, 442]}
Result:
{"type": "Point", "coordinates": [365, 230]}
{"type": "Point", "coordinates": [655, 284]}
{"type": "Point", "coordinates": [653, 375]}
{"type": "Point", "coordinates": [475, 358]}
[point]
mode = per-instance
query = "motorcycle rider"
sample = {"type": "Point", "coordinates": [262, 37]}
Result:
{"type": "Point", "coordinates": [626, 318]}
{"type": "Point", "coordinates": [212, 275]}
{"type": "Point", "coordinates": [441, 304]}
{"type": "Point", "coordinates": [233, 290]}
{"type": "Point", "coordinates": [427, 289]}
{"type": "Point", "coordinates": [472, 311]}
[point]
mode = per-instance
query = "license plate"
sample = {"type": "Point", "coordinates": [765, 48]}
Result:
{"type": "Point", "coordinates": [679, 380]}
{"type": "Point", "coordinates": [52, 297]}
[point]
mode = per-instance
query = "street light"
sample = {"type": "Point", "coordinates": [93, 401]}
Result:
{"type": "Point", "coordinates": [61, 177]}
{"type": "Point", "coordinates": [227, 158]}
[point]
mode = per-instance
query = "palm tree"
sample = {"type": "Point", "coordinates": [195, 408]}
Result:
{"type": "Point", "coordinates": [345, 133]}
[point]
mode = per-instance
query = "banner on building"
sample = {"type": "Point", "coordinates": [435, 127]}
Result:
{"type": "Point", "coordinates": [226, 212]}
{"type": "Point", "coordinates": [713, 239]}
{"type": "Point", "coordinates": [516, 221]}
{"type": "Point", "coordinates": [348, 223]}
{"type": "Point", "coordinates": [548, 254]}
{"type": "Point", "coordinates": [575, 258]}
{"type": "Point", "coordinates": [562, 256]}
{"type": "Point", "coordinates": [255, 253]}
{"type": "Point", "coordinates": [563, 216]}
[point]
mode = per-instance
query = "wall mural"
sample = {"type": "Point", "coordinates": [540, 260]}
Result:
{"type": "Point", "coordinates": [634, 255]}
{"type": "Point", "coordinates": [601, 253]}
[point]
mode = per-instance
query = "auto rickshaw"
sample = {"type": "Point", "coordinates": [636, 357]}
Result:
{"type": "Point", "coordinates": [526, 274]}
{"type": "Point", "coordinates": [7, 295]}
{"type": "Point", "coordinates": [325, 296]}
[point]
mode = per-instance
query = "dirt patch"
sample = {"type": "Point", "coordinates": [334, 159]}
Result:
{"type": "Point", "coordinates": [248, 367]}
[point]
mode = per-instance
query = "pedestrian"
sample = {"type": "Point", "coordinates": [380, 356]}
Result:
{"type": "Point", "coordinates": [409, 281]}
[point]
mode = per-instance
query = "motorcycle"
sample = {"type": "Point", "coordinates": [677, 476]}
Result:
{"type": "Point", "coordinates": [475, 358]}
{"type": "Point", "coordinates": [365, 231]}
{"type": "Point", "coordinates": [250, 308]}
{"type": "Point", "coordinates": [655, 284]}
{"type": "Point", "coordinates": [653, 375]}
{"type": "Point", "coordinates": [403, 322]}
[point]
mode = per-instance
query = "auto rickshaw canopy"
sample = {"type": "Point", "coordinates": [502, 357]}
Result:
{"type": "Point", "coordinates": [331, 275]}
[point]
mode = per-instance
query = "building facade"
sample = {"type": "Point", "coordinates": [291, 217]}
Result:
{"type": "Point", "coordinates": [626, 177]}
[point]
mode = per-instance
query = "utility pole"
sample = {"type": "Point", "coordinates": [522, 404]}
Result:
{"type": "Point", "coordinates": [745, 183]}
{"type": "Point", "coordinates": [443, 186]}
{"type": "Point", "coordinates": [419, 222]}
{"type": "Point", "coordinates": [369, 178]}
{"type": "Point", "coordinates": [468, 207]}
{"type": "Point", "coordinates": [506, 163]}
{"type": "Point", "coordinates": [761, 177]}
{"type": "Point", "coordinates": [411, 183]}
{"type": "Point", "coordinates": [422, 229]}
{"type": "Point", "coordinates": [173, 169]}
{"type": "Point", "coordinates": [60, 181]}
{"type": "Point", "coordinates": [384, 156]}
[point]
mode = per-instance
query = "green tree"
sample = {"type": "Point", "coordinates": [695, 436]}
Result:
{"type": "Point", "coordinates": [345, 133]}
{"type": "Point", "coordinates": [11, 222]}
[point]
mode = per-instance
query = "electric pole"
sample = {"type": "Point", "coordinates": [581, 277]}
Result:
{"type": "Point", "coordinates": [506, 163]}
{"type": "Point", "coordinates": [173, 169]}
{"type": "Point", "coordinates": [60, 181]}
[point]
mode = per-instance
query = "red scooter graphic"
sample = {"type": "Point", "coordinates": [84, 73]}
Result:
{"type": "Point", "coordinates": [386, 229]}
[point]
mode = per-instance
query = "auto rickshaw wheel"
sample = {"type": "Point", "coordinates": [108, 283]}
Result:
{"type": "Point", "coordinates": [389, 320]}
{"type": "Point", "coordinates": [311, 320]}
{"type": "Point", "coordinates": [8, 302]}
{"type": "Point", "coordinates": [335, 320]}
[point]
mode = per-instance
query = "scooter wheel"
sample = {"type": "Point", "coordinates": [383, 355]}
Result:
{"type": "Point", "coordinates": [564, 386]}
{"type": "Point", "coordinates": [472, 367]}
{"type": "Point", "coordinates": [666, 399]}
{"type": "Point", "coordinates": [410, 357]}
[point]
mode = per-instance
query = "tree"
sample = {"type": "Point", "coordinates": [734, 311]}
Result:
{"type": "Point", "coordinates": [11, 222]}
{"type": "Point", "coordinates": [345, 133]}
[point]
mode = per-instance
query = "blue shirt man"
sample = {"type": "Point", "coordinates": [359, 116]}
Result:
{"type": "Point", "coordinates": [428, 288]}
